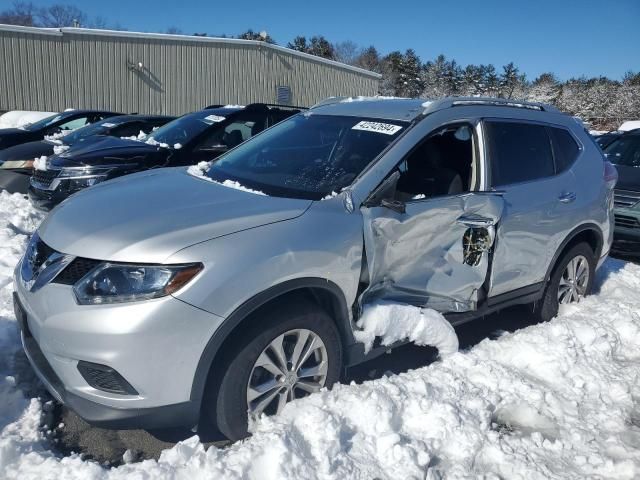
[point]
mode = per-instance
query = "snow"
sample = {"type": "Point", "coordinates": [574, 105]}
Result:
{"type": "Point", "coordinates": [55, 138]}
{"type": "Point", "coordinates": [330, 196]}
{"type": "Point", "coordinates": [58, 149]}
{"type": "Point", "coordinates": [393, 322]}
{"type": "Point", "coordinates": [361, 98]}
{"type": "Point", "coordinates": [154, 142]}
{"type": "Point", "coordinates": [200, 170]}
{"type": "Point", "coordinates": [40, 163]}
{"type": "Point", "coordinates": [19, 118]}
{"type": "Point", "coordinates": [551, 401]}
{"type": "Point", "coordinates": [630, 125]}
{"type": "Point", "coordinates": [177, 146]}
{"type": "Point", "coordinates": [138, 138]}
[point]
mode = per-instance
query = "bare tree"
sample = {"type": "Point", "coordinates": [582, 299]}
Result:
{"type": "Point", "coordinates": [22, 13]}
{"type": "Point", "coordinates": [347, 52]}
{"type": "Point", "coordinates": [60, 15]}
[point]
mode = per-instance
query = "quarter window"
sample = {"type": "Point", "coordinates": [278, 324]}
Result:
{"type": "Point", "coordinates": [565, 148]}
{"type": "Point", "coordinates": [518, 152]}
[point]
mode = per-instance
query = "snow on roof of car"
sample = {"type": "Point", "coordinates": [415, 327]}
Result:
{"type": "Point", "coordinates": [630, 125]}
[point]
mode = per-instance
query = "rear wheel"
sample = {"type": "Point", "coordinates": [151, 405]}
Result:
{"type": "Point", "coordinates": [290, 353]}
{"type": "Point", "coordinates": [571, 280]}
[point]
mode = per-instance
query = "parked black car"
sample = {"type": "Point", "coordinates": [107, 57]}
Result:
{"type": "Point", "coordinates": [16, 163]}
{"type": "Point", "coordinates": [624, 153]}
{"type": "Point", "coordinates": [187, 140]}
{"type": "Point", "coordinates": [51, 126]}
{"type": "Point", "coordinates": [606, 138]}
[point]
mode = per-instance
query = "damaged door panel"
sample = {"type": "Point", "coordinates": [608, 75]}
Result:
{"type": "Point", "coordinates": [435, 255]}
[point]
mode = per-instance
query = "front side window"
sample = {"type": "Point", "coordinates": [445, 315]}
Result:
{"type": "Point", "coordinates": [518, 152]}
{"type": "Point", "coordinates": [307, 156]}
{"type": "Point", "coordinates": [624, 151]}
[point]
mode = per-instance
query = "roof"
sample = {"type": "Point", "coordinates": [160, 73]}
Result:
{"type": "Point", "coordinates": [407, 109]}
{"type": "Point", "coordinates": [184, 38]}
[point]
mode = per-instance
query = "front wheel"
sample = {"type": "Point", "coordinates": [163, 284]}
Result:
{"type": "Point", "coordinates": [571, 280]}
{"type": "Point", "coordinates": [294, 351]}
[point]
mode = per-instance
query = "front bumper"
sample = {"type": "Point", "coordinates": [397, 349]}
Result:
{"type": "Point", "coordinates": [46, 199]}
{"type": "Point", "coordinates": [14, 181]}
{"type": "Point", "coordinates": [626, 237]}
{"type": "Point", "coordinates": [154, 345]}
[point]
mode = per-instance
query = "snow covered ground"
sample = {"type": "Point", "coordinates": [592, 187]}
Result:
{"type": "Point", "coordinates": [555, 400]}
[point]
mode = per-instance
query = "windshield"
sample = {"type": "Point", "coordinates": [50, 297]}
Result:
{"type": "Point", "coordinates": [308, 156]}
{"type": "Point", "coordinates": [624, 150]}
{"type": "Point", "coordinates": [98, 128]}
{"type": "Point", "coordinates": [40, 124]}
{"type": "Point", "coordinates": [183, 129]}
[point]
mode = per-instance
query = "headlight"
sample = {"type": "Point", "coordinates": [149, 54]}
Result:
{"type": "Point", "coordinates": [78, 183]}
{"type": "Point", "coordinates": [15, 164]}
{"type": "Point", "coordinates": [117, 283]}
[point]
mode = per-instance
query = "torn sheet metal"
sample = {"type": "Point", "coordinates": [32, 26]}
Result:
{"type": "Point", "coordinates": [420, 257]}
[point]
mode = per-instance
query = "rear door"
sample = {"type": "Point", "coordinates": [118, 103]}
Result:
{"type": "Point", "coordinates": [540, 200]}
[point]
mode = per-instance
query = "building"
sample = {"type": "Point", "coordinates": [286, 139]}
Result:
{"type": "Point", "coordinates": [54, 69]}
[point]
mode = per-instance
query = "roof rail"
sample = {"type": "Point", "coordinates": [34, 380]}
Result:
{"type": "Point", "coordinates": [499, 102]}
{"type": "Point", "coordinates": [259, 105]}
{"type": "Point", "coordinates": [213, 106]}
{"type": "Point", "coordinates": [329, 101]}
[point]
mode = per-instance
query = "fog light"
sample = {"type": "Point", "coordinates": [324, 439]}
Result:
{"type": "Point", "coordinates": [105, 378]}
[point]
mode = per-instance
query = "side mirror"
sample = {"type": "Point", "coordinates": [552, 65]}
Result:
{"type": "Point", "coordinates": [385, 191]}
{"type": "Point", "coordinates": [395, 205]}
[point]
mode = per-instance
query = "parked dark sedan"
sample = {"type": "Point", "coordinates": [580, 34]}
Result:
{"type": "Point", "coordinates": [16, 163]}
{"type": "Point", "coordinates": [624, 153]}
{"type": "Point", "coordinates": [187, 140]}
{"type": "Point", "coordinates": [55, 125]}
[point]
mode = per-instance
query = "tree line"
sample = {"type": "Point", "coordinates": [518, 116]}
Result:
{"type": "Point", "coordinates": [601, 102]}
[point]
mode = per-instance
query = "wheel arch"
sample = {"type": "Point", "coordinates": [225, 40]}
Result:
{"type": "Point", "coordinates": [323, 292]}
{"type": "Point", "coordinates": [589, 233]}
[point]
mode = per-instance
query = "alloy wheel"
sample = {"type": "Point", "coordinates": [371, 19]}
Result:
{"type": "Point", "coordinates": [574, 281]}
{"type": "Point", "coordinates": [292, 366]}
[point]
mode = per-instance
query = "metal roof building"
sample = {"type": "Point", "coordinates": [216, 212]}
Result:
{"type": "Point", "coordinates": [53, 69]}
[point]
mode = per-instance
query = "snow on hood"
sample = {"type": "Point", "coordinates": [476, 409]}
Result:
{"type": "Point", "coordinates": [200, 171]}
{"type": "Point", "coordinates": [40, 163]}
{"type": "Point", "coordinates": [148, 216]}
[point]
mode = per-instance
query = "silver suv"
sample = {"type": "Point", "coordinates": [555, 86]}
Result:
{"type": "Point", "coordinates": [167, 298]}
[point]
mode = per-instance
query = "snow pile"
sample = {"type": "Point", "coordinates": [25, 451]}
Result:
{"type": "Point", "coordinates": [630, 125]}
{"type": "Point", "coordinates": [58, 149]}
{"type": "Point", "coordinates": [393, 322]}
{"type": "Point", "coordinates": [201, 169]}
{"type": "Point", "coordinates": [361, 98]}
{"type": "Point", "coordinates": [19, 118]}
{"type": "Point", "coordinates": [55, 138]}
{"type": "Point", "coordinates": [555, 400]}
{"type": "Point", "coordinates": [40, 163]}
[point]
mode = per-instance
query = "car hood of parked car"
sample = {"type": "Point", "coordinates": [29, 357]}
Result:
{"type": "Point", "coordinates": [14, 136]}
{"type": "Point", "coordinates": [628, 178]}
{"type": "Point", "coordinates": [27, 151]}
{"type": "Point", "coordinates": [148, 216]}
{"type": "Point", "coordinates": [103, 151]}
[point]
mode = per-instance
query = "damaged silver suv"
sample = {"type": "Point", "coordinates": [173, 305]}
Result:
{"type": "Point", "coordinates": [174, 297]}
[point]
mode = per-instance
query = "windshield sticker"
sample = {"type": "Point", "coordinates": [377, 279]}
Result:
{"type": "Point", "coordinates": [214, 118]}
{"type": "Point", "coordinates": [109, 125]}
{"type": "Point", "coordinates": [386, 128]}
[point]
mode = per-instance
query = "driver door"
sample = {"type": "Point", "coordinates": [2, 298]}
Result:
{"type": "Point", "coordinates": [432, 249]}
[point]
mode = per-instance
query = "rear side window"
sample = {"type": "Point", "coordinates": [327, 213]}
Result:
{"type": "Point", "coordinates": [565, 148]}
{"type": "Point", "coordinates": [518, 152]}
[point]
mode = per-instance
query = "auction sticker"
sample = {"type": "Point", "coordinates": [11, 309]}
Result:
{"type": "Point", "coordinates": [386, 128]}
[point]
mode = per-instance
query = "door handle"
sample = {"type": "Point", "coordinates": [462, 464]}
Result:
{"type": "Point", "coordinates": [567, 197]}
{"type": "Point", "coordinates": [476, 221]}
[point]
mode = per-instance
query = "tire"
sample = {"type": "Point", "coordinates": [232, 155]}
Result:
{"type": "Point", "coordinates": [228, 406]}
{"type": "Point", "coordinates": [547, 307]}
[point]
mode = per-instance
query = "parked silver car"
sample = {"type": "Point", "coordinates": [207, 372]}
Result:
{"type": "Point", "coordinates": [165, 299]}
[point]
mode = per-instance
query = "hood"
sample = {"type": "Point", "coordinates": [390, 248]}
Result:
{"type": "Point", "coordinates": [628, 178]}
{"type": "Point", "coordinates": [26, 151]}
{"type": "Point", "coordinates": [13, 136]}
{"type": "Point", "coordinates": [148, 216]}
{"type": "Point", "coordinates": [104, 151]}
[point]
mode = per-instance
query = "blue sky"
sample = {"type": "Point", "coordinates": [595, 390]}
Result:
{"type": "Point", "coordinates": [568, 37]}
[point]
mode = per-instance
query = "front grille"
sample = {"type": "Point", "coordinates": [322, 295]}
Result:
{"type": "Point", "coordinates": [626, 221]}
{"type": "Point", "coordinates": [44, 178]}
{"type": "Point", "coordinates": [625, 198]}
{"type": "Point", "coordinates": [77, 269]}
{"type": "Point", "coordinates": [105, 378]}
